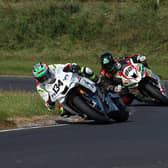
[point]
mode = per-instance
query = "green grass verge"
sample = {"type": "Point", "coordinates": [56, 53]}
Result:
{"type": "Point", "coordinates": [21, 104]}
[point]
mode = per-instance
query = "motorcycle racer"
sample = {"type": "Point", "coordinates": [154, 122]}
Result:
{"type": "Point", "coordinates": [110, 66]}
{"type": "Point", "coordinates": [45, 76]}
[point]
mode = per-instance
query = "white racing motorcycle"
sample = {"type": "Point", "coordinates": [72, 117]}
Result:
{"type": "Point", "coordinates": [79, 95]}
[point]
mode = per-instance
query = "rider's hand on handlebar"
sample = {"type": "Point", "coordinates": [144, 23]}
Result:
{"type": "Point", "coordinates": [74, 68]}
{"type": "Point", "coordinates": [49, 106]}
{"type": "Point", "coordinates": [113, 88]}
{"type": "Point", "coordinates": [141, 58]}
{"type": "Point", "coordinates": [117, 88]}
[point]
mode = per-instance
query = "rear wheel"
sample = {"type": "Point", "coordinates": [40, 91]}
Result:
{"type": "Point", "coordinates": [156, 93]}
{"type": "Point", "coordinates": [86, 109]}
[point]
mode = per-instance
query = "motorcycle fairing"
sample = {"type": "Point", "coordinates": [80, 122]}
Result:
{"type": "Point", "coordinates": [132, 73]}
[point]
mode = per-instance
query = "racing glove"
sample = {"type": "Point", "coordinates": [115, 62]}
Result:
{"type": "Point", "coordinates": [74, 68]}
{"type": "Point", "coordinates": [141, 58]}
{"type": "Point", "coordinates": [113, 88]}
{"type": "Point", "coordinates": [117, 88]}
{"type": "Point", "coordinates": [49, 104]}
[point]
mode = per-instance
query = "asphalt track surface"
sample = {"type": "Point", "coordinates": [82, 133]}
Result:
{"type": "Point", "coordinates": [142, 142]}
{"type": "Point", "coordinates": [17, 83]}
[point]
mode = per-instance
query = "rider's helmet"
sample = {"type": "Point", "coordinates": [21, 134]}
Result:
{"type": "Point", "coordinates": [107, 62]}
{"type": "Point", "coordinates": [41, 72]}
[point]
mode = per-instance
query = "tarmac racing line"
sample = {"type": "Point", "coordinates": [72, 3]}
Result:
{"type": "Point", "coordinates": [26, 83]}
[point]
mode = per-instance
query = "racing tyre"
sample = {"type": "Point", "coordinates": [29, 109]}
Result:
{"type": "Point", "coordinates": [156, 93]}
{"type": "Point", "coordinates": [123, 114]}
{"type": "Point", "coordinates": [86, 109]}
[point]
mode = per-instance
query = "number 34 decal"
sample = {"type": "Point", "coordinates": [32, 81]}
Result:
{"type": "Point", "coordinates": [56, 87]}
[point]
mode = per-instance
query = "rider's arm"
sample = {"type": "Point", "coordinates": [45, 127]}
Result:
{"type": "Point", "coordinates": [137, 58]}
{"type": "Point", "coordinates": [112, 83]}
{"type": "Point", "coordinates": [107, 75]}
{"type": "Point", "coordinates": [82, 70]}
{"type": "Point", "coordinates": [45, 96]}
{"type": "Point", "coordinates": [132, 56]}
{"type": "Point", "coordinates": [71, 67]}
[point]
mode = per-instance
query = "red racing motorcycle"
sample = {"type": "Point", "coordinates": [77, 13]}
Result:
{"type": "Point", "coordinates": [141, 83]}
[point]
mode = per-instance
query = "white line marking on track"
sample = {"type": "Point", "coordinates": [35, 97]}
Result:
{"type": "Point", "coordinates": [29, 128]}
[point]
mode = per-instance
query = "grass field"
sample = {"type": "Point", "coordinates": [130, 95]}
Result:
{"type": "Point", "coordinates": [15, 105]}
{"type": "Point", "coordinates": [61, 31]}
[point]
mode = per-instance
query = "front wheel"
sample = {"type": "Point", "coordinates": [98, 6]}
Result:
{"type": "Point", "coordinates": [123, 114]}
{"type": "Point", "coordinates": [86, 109]}
{"type": "Point", "coordinates": [156, 93]}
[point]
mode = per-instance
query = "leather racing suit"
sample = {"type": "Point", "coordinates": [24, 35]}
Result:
{"type": "Point", "coordinates": [69, 67]}
{"type": "Point", "coordinates": [116, 83]}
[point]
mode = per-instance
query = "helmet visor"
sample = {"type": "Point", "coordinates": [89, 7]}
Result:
{"type": "Point", "coordinates": [45, 77]}
{"type": "Point", "coordinates": [108, 64]}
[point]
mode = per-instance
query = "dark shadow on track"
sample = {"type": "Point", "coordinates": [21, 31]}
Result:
{"type": "Point", "coordinates": [147, 105]}
{"type": "Point", "coordinates": [90, 122]}
{"type": "Point", "coordinates": [137, 103]}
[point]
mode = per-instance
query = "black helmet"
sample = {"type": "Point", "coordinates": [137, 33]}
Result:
{"type": "Point", "coordinates": [107, 61]}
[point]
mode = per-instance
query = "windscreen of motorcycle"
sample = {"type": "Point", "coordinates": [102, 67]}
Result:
{"type": "Point", "coordinates": [88, 84]}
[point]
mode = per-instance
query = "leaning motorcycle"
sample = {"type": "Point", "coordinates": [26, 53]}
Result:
{"type": "Point", "coordinates": [141, 83]}
{"type": "Point", "coordinates": [79, 95]}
